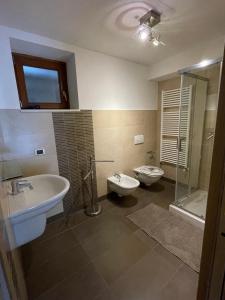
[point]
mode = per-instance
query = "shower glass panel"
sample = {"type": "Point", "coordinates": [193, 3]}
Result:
{"type": "Point", "coordinates": [192, 117]}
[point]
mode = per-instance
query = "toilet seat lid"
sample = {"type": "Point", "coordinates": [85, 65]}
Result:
{"type": "Point", "coordinates": [149, 170]}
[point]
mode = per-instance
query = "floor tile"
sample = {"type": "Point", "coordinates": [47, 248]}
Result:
{"type": "Point", "coordinates": [161, 193]}
{"type": "Point", "coordinates": [147, 276]}
{"type": "Point", "coordinates": [128, 204]}
{"type": "Point", "coordinates": [99, 234]}
{"type": "Point", "coordinates": [76, 218]}
{"type": "Point", "coordinates": [106, 295]}
{"type": "Point", "coordinates": [52, 229]}
{"type": "Point", "coordinates": [55, 270]}
{"type": "Point", "coordinates": [87, 285]}
{"type": "Point", "coordinates": [145, 238]}
{"type": "Point", "coordinates": [183, 286]}
{"type": "Point", "coordinates": [37, 254]}
{"type": "Point", "coordinates": [106, 205]}
{"type": "Point", "coordinates": [121, 256]}
{"type": "Point", "coordinates": [63, 224]}
{"type": "Point", "coordinates": [107, 257]}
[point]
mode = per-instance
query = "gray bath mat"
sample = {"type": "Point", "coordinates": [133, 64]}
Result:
{"type": "Point", "coordinates": [175, 234]}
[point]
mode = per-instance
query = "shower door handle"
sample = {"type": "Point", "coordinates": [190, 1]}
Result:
{"type": "Point", "coordinates": [179, 140]}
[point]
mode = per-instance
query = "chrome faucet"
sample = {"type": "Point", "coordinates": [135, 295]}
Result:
{"type": "Point", "coordinates": [118, 176]}
{"type": "Point", "coordinates": [210, 136]}
{"type": "Point", "coordinates": [18, 184]}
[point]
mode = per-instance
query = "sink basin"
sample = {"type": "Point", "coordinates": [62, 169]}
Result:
{"type": "Point", "coordinates": [28, 209]}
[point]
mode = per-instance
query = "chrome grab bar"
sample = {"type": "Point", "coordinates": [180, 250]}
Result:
{"type": "Point", "coordinates": [92, 161]}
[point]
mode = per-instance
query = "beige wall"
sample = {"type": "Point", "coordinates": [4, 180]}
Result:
{"type": "Point", "coordinates": [209, 124]}
{"type": "Point", "coordinates": [23, 132]}
{"type": "Point", "coordinates": [114, 132]}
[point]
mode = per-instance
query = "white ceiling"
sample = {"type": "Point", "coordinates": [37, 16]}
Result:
{"type": "Point", "coordinates": [109, 26]}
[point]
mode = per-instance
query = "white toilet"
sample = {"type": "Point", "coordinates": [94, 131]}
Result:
{"type": "Point", "coordinates": [122, 184]}
{"type": "Point", "coordinates": [148, 174]}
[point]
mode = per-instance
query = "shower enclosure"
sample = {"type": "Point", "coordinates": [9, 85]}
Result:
{"type": "Point", "coordinates": [195, 141]}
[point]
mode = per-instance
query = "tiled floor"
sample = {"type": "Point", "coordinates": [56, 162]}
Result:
{"type": "Point", "coordinates": [107, 257]}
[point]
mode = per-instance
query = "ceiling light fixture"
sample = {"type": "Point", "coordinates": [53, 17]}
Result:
{"type": "Point", "coordinates": [145, 32]}
{"type": "Point", "coordinates": [204, 63]}
{"type": "Point", "coordinates": [155, 42]}
{"type": "Point", "coordinates": [143, 35]}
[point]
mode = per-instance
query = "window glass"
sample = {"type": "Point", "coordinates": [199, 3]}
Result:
{"type": "Point", "coordinates": [42, 85]}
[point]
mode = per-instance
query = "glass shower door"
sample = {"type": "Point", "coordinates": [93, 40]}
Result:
{"type": "Point", "coordinates": [192, 113]}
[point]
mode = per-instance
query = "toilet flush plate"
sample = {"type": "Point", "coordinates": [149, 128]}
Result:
{"type": "Point", "coordinates": [139, 139]}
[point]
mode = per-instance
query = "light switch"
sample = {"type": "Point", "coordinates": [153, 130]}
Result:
{"type": "Point", "coordinates": [139, 139]}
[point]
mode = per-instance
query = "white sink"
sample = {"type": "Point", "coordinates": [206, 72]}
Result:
{"type": "Point", "coordinates": [28, 209]}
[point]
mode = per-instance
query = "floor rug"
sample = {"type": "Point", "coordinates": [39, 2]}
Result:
{"type": "Point", "coordinates": [174, 233]}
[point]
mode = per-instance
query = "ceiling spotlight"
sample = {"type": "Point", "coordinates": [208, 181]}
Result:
{"type": "Point", "coordinates": [143, 35]}
{"type": "Point", "coordinates": [145, 32]}
{"type": "Point", "coordinates": [204, 63]}
{"type": "Point", "coordinates": [155, 42]}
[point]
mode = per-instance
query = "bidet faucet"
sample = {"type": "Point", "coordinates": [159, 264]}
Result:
{"type": "Point", "coordinates": [118, 176]}
{"type": "Point", "coordinates": [18, 184]}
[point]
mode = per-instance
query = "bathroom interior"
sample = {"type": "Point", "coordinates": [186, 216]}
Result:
{"type": "Point", "coordinates": [106, 148]}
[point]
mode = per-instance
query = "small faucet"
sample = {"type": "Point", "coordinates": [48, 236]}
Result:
{"type": "Point", "coordinates": [118, 176]}
{"type": "Point", "coordinates": [18, 184]}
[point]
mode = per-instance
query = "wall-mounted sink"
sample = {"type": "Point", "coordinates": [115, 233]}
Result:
{"type": "Point", "coordinates": [28, 208]}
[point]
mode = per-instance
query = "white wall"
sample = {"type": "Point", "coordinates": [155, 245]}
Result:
{"type": "Point", "coordinates": [104, 82]}
{"type": "Point", "coordinates": [213, 49]}
{"type": "Point", "coordinates": [8, 89]}
{"type": "Point", "coordinates": [21, 134]}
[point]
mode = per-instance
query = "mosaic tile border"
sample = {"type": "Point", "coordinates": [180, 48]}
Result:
{"type": "Point", "coordinates": [74, 145]}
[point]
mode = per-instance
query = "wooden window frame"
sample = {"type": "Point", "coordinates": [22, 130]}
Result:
{"type": "Point", "coordinates": [21, 60]}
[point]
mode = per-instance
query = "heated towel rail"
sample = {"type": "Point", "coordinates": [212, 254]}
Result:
{"type": "Point", "coordinates": [175, 125]}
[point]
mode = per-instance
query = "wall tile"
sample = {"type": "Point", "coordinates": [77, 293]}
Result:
{"type": "Point", "coordinates": [114, 132]}
{"type": "Point", "coordinates": [75, 145]}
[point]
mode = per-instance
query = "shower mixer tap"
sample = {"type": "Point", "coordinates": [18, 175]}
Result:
{"type": "Point", "coordinates": [210, 137]}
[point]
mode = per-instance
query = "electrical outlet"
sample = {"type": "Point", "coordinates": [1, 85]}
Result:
{"type": "Point", "coordinates": [39, 151]}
